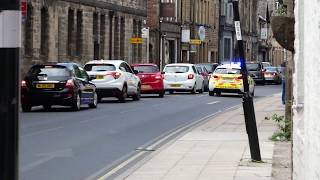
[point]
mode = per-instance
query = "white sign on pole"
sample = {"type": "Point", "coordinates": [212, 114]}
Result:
{"type": "Point", "coordinates": [10, 29]}
{"type": "Point", "coordinates": [264, 33]}
{"type": "Point", "coordinates": [185, 36]}
{"type": "Point", "coordinates": [238, 30]}
{"type": "Point", "coordinates": [202, 33]}
{"type": "Point", "coordinates": [145, 33]}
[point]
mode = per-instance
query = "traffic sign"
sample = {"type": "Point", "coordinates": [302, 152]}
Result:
{"type": "Point", "coordinates": [195, 41]}
{"type": "Point", "coordinates": [136, 40]}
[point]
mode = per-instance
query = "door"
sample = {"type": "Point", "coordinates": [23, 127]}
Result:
{"type": "Point", "coordinates": [130, 78]}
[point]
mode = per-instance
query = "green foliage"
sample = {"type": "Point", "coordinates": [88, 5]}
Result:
{"type": "Point", "coordinates": [282, 10]}
{"type": "Point", "coordinates": [285, 128]}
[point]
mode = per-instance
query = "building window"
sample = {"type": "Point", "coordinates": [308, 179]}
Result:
{"type": "Point", "coordinates": [122, 37]}
{"type": "Point", "coordinates": [96, 50]}
{"type": "Point", "coordinates": [116, 38]}
{"type": "Point", "coordinates": [102, 34]}
{"type": "Point", "coordinates": [44, 32]}
{"type": "Point", "coordinates": [227, 49]}
{"type": "Point", "coordinates": [70, 31]}
{"type": "Point", "coordinates": [79, 33]}
{"type": "Point", "coordinates": [29, 31]}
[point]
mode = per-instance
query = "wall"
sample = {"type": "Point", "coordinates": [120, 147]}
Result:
{"type": "Point", "coordinates": [306, 134]}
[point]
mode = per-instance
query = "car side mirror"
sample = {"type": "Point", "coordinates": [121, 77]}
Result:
{"type": "Point", "coordinates": [162, 72]}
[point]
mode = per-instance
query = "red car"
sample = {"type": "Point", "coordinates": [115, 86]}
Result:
{"type": "Point", "coordinates": [151, 78]}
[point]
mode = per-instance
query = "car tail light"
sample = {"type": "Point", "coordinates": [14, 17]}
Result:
{"type": "Point", "coordinates": [190, 76]}
{"type": "Point", "coordinates": [115, 75]}
{"type": "Point", "coordinates": [70, 87]}
{"type": "Point", "coordinates": [274, 74]}
{"type": "Point", "coordinates": [159, 77]}
{"type": "Point", "coordinates": [239, 77]}
{"type": "Point", "coordinates": [23, 84]}
{"type": "Point", "coordinates": [216, 77]}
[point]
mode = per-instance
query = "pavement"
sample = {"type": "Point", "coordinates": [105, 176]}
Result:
{"type": "Point", "coordinates": [217, 149]}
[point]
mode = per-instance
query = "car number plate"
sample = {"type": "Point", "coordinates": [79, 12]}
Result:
{"type": "Point", "coordinates": [45, 86]}
{"type": "Point", "coordinates": [146, 87]}
{"type": "Point", "coordinates": [99, 77]}
{"type": "Point", "coordinates": [175, 85]}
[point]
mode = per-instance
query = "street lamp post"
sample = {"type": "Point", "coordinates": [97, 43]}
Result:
{"type": "Point", "coordinates": [248, 106]}
{"type": "Point", "coordinates": [10, 42]}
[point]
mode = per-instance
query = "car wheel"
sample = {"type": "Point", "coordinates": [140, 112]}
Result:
{"type": "Point", "coordinates": [194, 89]}
{"type": "Point", "coordinates": [46, 107]}
{"type": "Point", "coordinates": [161, 94]}
{"type": "Point", "coordinates": [211, 93]}
{"type": "Point", "coordinates": [123, 95]}
{"type": "Point", "coordinates": [26, 108]}
{"type": "Point", "coordinates": [94, 104]}
{"type": "Point", "coordinates": [76, 103]}
{"type": "Point", "coordinates": [137, 96]}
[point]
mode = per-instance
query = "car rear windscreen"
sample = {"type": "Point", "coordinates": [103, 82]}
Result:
{"type": "Point", "coordinates": [252, 66]}
{"type": "Point", "coordinates": [227, 71]}
{"type": "Point", "coordinates": [271, 69]}
{"type": "Point", "coordinates": [146, 69]}
{"type": "Point", "coordinates": [176, 69]}
{"type": "Point", "coordinates": [99, 67]}
{"type": "Point", "coordinates": [55, 73]}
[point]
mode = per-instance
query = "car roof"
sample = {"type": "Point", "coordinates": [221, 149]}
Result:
{"type": "Point", "coordinates": [115, 62]}
{"type": "Point", "coordinates": [180, 64]}
{"type": "Point", "coordinates": [146, 64]}
{"type": "Point", "coordinates": [229, 66]}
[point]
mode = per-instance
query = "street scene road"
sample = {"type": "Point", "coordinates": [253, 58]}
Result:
{"type": "Point", "coordinates": [62, 144]}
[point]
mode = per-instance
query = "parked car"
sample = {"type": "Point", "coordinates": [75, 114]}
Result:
{"type": "Point", "coordinates": [114, 78]}
{"type": "Point", "coordinates": [210, 67]}
{"type": "Point", "coordinates": [266, 64]}
{"type": "Point", "coordinates": [57, 84]}
{"type": "Point", "coordinates": [256, 71]}
{"type": "Point", "coordinates": [205, 74]}
{"type": "Point", "coordinates": [272, 74]}
{"type": "Point", "coordinates": [227, 78]}
{"type": "Point", "coordinates": [151, 78]}
{"type": "Point", "coordinates": [183, 77]}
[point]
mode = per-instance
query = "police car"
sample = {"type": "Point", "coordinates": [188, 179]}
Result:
{"type": "Point", "coordinates": [228, 79]}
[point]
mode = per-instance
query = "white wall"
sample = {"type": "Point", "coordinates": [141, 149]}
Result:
{"type": "Point", "coordinates": [306, 137]}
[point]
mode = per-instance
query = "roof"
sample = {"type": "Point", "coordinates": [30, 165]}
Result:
{"type": "Point", "coordinates": [177, 64]}
{"type": "Point", "coordinates": [102, 61]}
{"type": "Point", "coordinates": [230, 66]}
{"type": "Point", "coordinates": [144, 64]}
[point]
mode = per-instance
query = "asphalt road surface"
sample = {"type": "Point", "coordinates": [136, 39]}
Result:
{"type": "Point", "coordinates": [63, 145]}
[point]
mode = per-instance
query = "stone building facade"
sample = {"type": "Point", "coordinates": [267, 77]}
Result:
{"type": "Point", "coordinates": [166, 33]}
{"type": "Point", "coordinates": [248, 16]}
{"type": "Point", "coordinates": [270, 50]}
{"type": "Point", "coordinates": [82, 30]}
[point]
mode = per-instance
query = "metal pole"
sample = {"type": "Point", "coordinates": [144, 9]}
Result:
{"type": "Point", "coordinates": [248, 106]}
{"type": "Point", "coordinates": [10, 42]}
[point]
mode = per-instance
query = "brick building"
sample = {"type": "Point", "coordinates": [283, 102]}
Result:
{"type": "Point", "coordinates": [82, 30]}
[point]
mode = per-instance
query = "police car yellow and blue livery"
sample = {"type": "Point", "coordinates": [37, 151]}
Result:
{"type": "Point", "coordinates": [227, 78]}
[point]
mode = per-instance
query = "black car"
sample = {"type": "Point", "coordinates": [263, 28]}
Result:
{"type": "Point", "coordinates": [256, 71]}
{"type": "Point", "coordinates": [64, 84]}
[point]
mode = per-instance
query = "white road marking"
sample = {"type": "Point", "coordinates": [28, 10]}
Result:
{"type": "Point", "coordinates": [214, 102]}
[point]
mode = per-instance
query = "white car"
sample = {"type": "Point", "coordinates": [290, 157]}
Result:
{"type": "Point", "coordinates": [114, 78]}
{"type": "Point", "coordinates": [182, 77]}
